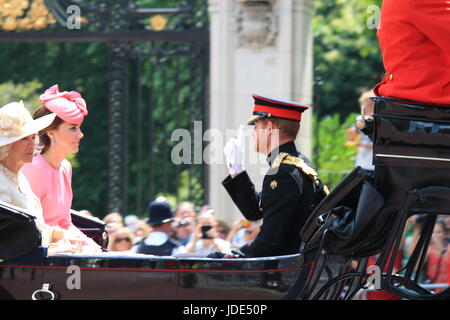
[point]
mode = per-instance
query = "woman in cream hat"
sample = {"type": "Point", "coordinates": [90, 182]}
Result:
{"type": "Point", "coordinates": [50, 174]}
{"type": "Point", "coordinates": [18, 138]}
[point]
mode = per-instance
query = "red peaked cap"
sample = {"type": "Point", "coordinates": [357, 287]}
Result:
{"type": "Point", "coordinates": [276, 108]}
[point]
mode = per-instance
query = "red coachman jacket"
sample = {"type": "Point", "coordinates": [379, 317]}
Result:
{"type": "Point", "coordinates": [415, 43]}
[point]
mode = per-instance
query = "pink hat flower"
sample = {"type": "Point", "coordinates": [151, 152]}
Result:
{"type": "Point", "coordinates": [68, 105]}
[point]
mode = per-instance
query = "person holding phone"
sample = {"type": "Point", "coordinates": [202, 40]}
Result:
{"type": "Point", "coordinates": [206, 239]}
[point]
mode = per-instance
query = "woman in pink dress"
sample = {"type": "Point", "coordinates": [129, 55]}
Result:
{"type": "Point", "coordinates": [50, 174]}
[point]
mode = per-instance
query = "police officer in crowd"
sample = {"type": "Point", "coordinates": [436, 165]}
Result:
{"type": "Point", "coordinates": [159, 242]}
{"type": "Point", "coordinates": [291, 188]}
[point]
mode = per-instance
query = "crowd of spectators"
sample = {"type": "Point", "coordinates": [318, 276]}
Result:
{"type": "Point", "coordinates": [198, 231]}
{"type": "Point", "coordinates": [437, 261]}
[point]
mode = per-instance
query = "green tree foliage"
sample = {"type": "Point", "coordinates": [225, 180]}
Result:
{"type": "Point", "coordinates": [332, 158]}
{"type": "Point", "coordinates": [348, 61]}
{"type": "Point", "coordinates": [346, 52]}
{"type": "Point", "coordinates": [28, 92]}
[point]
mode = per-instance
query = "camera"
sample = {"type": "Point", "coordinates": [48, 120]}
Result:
{"type": "Point", "coordinates": [205, 232]}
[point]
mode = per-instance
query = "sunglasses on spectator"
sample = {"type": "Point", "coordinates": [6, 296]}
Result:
{"type": "Point", "coordinates": [183, 223]}
{"type": "Point", "coordinates": [122, 239]}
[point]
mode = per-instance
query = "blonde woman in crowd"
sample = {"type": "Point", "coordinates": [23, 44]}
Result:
{"type": "Point", "coordinates": [121, 240]}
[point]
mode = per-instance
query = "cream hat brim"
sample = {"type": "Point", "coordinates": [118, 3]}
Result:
{"type": "Point", "coordinates": [30, 128]}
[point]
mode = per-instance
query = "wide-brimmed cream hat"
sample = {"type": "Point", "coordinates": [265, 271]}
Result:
{"type": "Point", "coordinates": [16, 123]}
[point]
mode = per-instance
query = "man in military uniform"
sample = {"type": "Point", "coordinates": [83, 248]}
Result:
{"type": "Point", "coordinates": [291, 188]}
{"type": "Point", "coordinates": [158, 242]}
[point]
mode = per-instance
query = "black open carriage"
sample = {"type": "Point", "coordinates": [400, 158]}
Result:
{"type": "Point", "coordinates": [26, 272]}
{"type": "Point", "coordinates": [363, 216]}
{"type": "Point", "coordinates": [366, 214]}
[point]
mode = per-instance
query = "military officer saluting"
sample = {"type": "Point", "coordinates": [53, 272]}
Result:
{"type": "Point", "coordinates": [291, 188]}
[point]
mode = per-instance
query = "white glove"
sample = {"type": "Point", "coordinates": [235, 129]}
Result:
{"type": "Point", "coordinates": [234, 153]}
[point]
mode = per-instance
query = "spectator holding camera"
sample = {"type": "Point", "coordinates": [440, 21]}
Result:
{"type": "Point", "coordinates": [357, 138]}
{"type": "Point", "coordinates": [206, 239]}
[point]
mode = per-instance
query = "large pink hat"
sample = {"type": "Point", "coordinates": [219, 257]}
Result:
{"type": "Point", "coordinates": [68, 105]}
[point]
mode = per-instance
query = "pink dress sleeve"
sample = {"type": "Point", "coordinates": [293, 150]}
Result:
{"type": "Point", "coordinates": [53, 188]}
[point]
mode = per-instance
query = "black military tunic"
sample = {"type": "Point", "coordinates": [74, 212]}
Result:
{"type": "Point", "coordinates": [284, 204]}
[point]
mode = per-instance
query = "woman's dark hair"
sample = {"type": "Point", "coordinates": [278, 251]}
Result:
{"type": "Point", "coordinates": [44, 139]}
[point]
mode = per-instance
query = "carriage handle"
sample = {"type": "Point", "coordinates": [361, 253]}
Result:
{"type": "Point", "coordinates": [45, 289]}
{"type": "Point", "coordinates": [435, 191]}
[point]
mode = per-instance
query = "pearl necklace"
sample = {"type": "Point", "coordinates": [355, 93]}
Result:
{"type": "Point", "coordinates": [14, 177]}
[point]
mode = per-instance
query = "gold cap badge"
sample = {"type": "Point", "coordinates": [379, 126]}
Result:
{"type": "Point", "coordinates": [273, 184]}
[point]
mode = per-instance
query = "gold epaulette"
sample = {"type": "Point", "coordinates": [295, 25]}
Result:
{"type": "Point", "coordinates": [299, 163]}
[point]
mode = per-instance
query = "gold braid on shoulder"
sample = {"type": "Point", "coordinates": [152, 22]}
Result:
{"type": "Point", "coordinates": [301, 165]}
